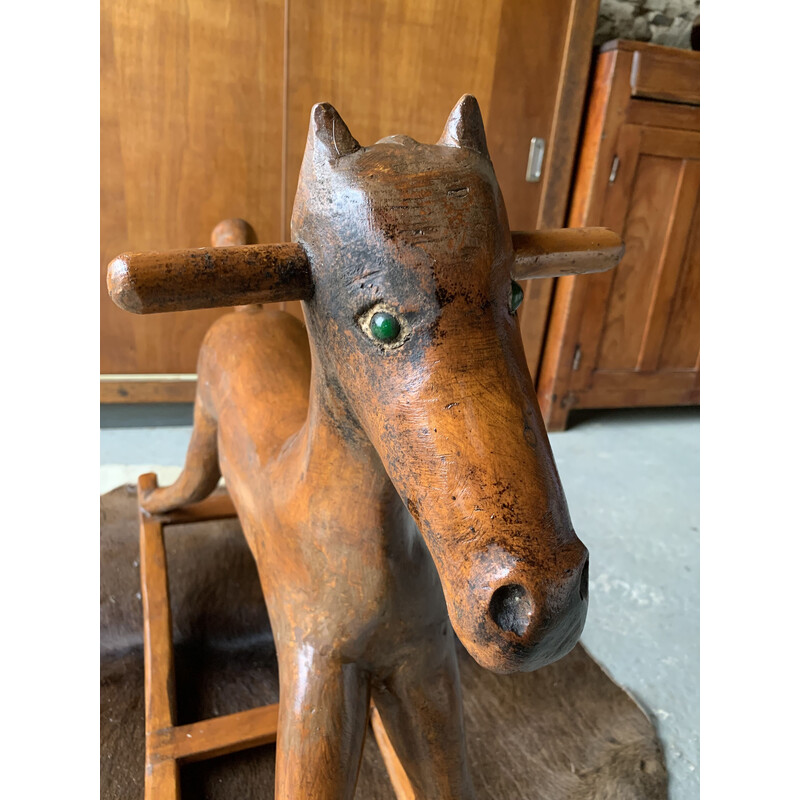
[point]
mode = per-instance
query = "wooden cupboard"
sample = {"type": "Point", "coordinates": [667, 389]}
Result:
{"type": "Point", "coordinates": [204, 113]}
{"type": "Point", "coordinates": [631, 337]}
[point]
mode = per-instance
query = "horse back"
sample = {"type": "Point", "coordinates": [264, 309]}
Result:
{"type": "Point", "coordinates": [253, 378]}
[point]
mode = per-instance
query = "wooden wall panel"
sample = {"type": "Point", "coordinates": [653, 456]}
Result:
{"type": "Point", "coordinates": [388, 66]}
{"type": "Point", "coordinates": [191, 133]}
{"type": "Point", "coordinates": [399, 67]}
{"type": "Point", "coordinates": [205, 109]}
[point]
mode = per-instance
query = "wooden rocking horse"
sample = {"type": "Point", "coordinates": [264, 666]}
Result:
{"type": "Point", "coordinates": [388, 462]}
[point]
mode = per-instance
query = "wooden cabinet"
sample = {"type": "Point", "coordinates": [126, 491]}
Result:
{"type": "Point", "coordinates": [205, 108]}
{"type": "Point", "coordinates": [631, 337]}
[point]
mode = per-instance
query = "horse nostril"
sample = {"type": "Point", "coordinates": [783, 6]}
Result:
{"type": "Point", "coordinates": [584, 590]}
{"type": "Point", "coordinates": [511, 608]}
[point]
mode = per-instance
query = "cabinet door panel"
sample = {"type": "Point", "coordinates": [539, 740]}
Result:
{"type": "Point", "coordinates": [191, 106]}
{"type": "Point", "coordinates": [630, 337]}
{"type": "Point", "coordinates": [654, 210]}
{"type": "Point", "coordinates": [205, 108]}
{"type": "Point", "coordinates": [637, 326]}
{"type": "Point", "coordinates": [644, 230]}
{"type": "Point", "coordinates": [681, 347]}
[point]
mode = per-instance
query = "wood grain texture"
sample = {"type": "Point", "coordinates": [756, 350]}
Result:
{"type": "Point", "coordinates": [218, 736]}
{"type": "Point", "coordinates": [527, 62]}
{"type": "Point", "coordinates": [559, 733]}
{"type": "Point", "coordinates": [660, 75]}
{"type": "Point", "coordinates": [577, 251]}
{"type": "Point", "coordinates": [161, 774]}
{"type": "Point", "coordinates": [604, 117]}
{"type": "Point", "coordinates": [183, 280]}
{"type": "Point", "coordinates": [677, 241]}
{"type": "Point", "coordinates": [562, 144]}
{"type": "Point", "coordinates": [158, 659]}
{"type": "Point", "coordinates": [154, 389]}
{"type": "Point", "coordinates": [191, 130]}
{"type": "Point", "coordinates": [663, 115]}
{"type": "Point", "coordinates": [611, 324]}
{"type": "Point", "coordinates": [681, 345]}
{"type": "Point", "coordinates": [387, 67]}
{"type": "Point", "coordinates": [403, 789]}
{"type": "Point", "coordinates": [645, 221]}
{"type": "Point", "coordinates": [340, 487]}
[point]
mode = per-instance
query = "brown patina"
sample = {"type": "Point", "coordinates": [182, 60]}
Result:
{"type": "Point", "coordinates": [393, 488]}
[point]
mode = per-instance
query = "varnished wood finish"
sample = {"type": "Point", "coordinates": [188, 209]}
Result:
{"type": "Point", "coordinates": [632, 338]}
{"type": "Point", "coordinates": [214, 737]}
{"type": "Point", "coordinates": [161, 775]}
{"type": "Point", "coordinates": [392, 491]}
{"type": "Point", "coordinates": [204, 107]}
{"type": "Point", "coordinates": [658, 75]}
{"type": "Point", "coordinates": [548, 254]}
{"type": "Point", "coordinates": [151, 389]}
{"type": "Point", "coordinates": [168, 744]}
{"type": "Point", "coordinates": [527, 62]}
{"type": "Point", "coordinates": [191, 121]}
{"type": "Point", "coordinates": [209, 277]}
{"type": "Point", "coordinates": [551, 211]}
{"type": "Point", "coordinates": [182, 280]}
{"type": "Point", "coordinates": [562, 732]}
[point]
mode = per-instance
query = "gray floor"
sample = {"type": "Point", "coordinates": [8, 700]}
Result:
{"type": "Point", "coordinates": [632, 481]}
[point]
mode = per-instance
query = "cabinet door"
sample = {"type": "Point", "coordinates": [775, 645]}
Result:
{"type": "Point", "coordinates": [638, 326]}
{"type": "Point", "coordinates": [399, 67]}
{"type": "Point", "coordinates": [205, 109]}
{"type": "Point", "coordinates": [191, 120]}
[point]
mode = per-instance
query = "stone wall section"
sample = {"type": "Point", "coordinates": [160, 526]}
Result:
{"type": "Point", "coordinates": [667, 22]}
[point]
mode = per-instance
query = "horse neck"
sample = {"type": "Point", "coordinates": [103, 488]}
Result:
{"type": "Point", "coordinates": [332, 439]}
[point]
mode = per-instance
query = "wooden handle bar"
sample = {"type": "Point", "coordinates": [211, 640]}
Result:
{"type": "Point", "coordinates": [213, 277]}
{"type": "Point", "coordinates": [565, 251]}
{"type": "Point", "coordinates": [209, 277]}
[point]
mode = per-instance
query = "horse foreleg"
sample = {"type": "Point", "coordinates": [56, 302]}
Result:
{"type": "Point", "coordinates": [420, 707]}
{"type": "Point", "coordinates": [321, 726]}
{"type": "Point", "coordinates": [200, 474]}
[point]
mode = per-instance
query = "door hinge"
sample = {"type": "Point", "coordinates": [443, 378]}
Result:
{"type": "Point", "coordinates": [614, 167]}
{"type": "Point", "coordinates": [535, 160]}
{"type": "Point", "coordinates": [576, 358]}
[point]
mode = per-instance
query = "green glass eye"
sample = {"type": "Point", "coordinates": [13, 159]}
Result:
{"type": "Point", "coordinates": [515, 298]}
{"type": "Point", "coordinates": [384, 327]}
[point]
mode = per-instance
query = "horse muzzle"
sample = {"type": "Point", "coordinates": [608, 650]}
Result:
{"type": "Point", "coordinates": [525, 618]}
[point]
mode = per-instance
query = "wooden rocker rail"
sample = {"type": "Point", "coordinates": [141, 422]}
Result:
{"type": "Point", "coordinates": [168, 745]}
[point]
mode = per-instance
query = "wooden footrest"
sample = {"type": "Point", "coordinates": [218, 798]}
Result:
{"type": "Point", "coordinates": [167, 744]}
{"type": "Point", "coordinates": [214, 737]}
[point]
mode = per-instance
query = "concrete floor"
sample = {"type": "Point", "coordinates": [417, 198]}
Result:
{"type": "Point", "coordinates": [632, 481]}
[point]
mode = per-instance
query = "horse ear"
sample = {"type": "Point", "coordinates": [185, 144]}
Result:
{"type": "Point", "coordinates": [328, 135]}
{"type": "Point", "coordinates": [464, 127]}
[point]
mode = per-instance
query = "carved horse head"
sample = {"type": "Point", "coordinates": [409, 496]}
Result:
{"type": "Point", "coordinates": [404, 259]}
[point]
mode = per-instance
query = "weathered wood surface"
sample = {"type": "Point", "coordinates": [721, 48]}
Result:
{"type": "Point", "coordinates": [210, 277]}
{"type": "Point", "coordinates": [559, 733]}
{"type": "Point", "coordinates": [390, 469]}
